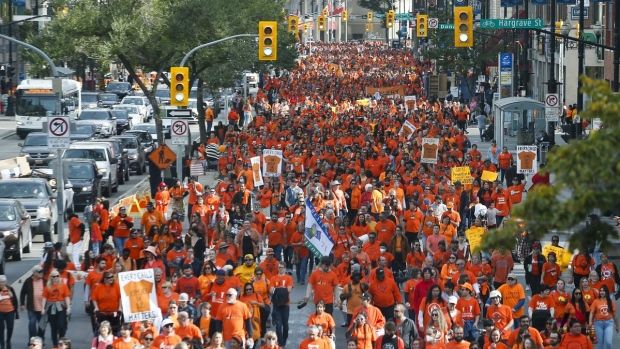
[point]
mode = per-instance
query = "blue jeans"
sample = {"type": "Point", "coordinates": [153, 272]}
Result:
{"type": "Point", "coordinates": [119, 244]}
{"type": "Point", "coordinates": [7, 320]}
{"type": "Point", "coordinates": [605, 333]}
{"type": "Point", "coordinates": [470, 332]}
{"type": "Point", "coordinates": [302, 269]}
{"type": "Point", "coordinates": [279, 316]}
{"type": "Point", "coordinates": [33, 323]}
{"type": "Point", "coordinates": [277, 252]}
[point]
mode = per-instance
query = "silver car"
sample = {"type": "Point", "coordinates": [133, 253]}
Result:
{"type": "Point", "coordinates": [100, 117]}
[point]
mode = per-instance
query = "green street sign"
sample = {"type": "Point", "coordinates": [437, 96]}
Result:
{"type": "Point", "coordinates": [404, 17]}
{"type": "Point", "coordinates": [446, 26]}
{"type": "Point", "coordinates": [528, 23]}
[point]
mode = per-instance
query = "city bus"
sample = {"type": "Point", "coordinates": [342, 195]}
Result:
{"type": "Point", "coordinates": [35, 101]}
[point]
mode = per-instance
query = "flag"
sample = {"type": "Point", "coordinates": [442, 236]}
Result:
{"type": "Point", "coordinates": [339, 8]}
{"type": "Point", "coordinates": [317, 238]}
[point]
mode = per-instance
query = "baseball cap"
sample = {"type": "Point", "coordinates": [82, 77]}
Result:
{"type": "Point", "coordinates": [452, 300]}
{"type": "Point", "coordinates": [167, 322]}
{"type": "Point", "coordinates": [220, 272]}
{"type": "Point", "coordinates": [184, 297]}
{"type": "Point", "coordinates": [511, 276]}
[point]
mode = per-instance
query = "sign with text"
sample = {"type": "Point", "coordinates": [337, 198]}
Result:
{"type": "Point", "coordinates": [505, 74]}
{"type": "Point", "coordinates": [407, 130]}
{"type": "Point", "coordinates": [179, 132]}
{"type": "Point", "coordinates": [272, 162]}
{"type": "Point", "coordinates": [489, 176]}
{"type": "Point", "coordinates": [138, 297]}
{"type": "Point", "coordinates": [552, 107]}
{"type": "Point", "coordinates": [461, 174]}
{"type": "Point", "coordinates": [430, 148]}
{"type": "Point", "coordinates": [526, 159]}
{"type": "Point", "coordinates": [527, 23]}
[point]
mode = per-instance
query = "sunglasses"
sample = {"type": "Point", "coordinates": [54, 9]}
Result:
{"type": "Point", "coordinates": [230, 294]}
{"type": "Point", "coordinates": [148, 338]}
{"type": "Point", "coordinates": [109, 277]}
{"type": "Point", "coordinates": [577, 293]}
{"type": "Point", "coordinates": [270, 338]}
{"type": "Point", "coordinates": [435, 315]}
{"type": "Point", "coordinates": [249, 289]}
{"type": "Point", "coordinates": [55, 276]}
{"type": "Point", "coordinates": [168, 325]}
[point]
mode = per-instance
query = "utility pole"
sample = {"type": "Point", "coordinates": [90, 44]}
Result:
{"type": "Point", "coordinates": [10, 33]}
{"type": "Point", "coordinates": [580, 60]}
{"type": "Point", "coordinates": [616, 82]}
{"type": "Point", "coordinates": [552, 83]}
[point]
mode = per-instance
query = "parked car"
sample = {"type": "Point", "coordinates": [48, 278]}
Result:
{"type": "Point", "coordinates": [83, 177]}
{"type": "Point", "coordinates": [101, 117]}
{"type": "Point", "coordinates": [107, 165]}
{"type": "Point", "coordinates": [120, 88]}
{"type": "Point", "coordinates": [107, 100]}
{"type": "Point", "coordinates": [135, 151]}
{"type": "Point", "coordinates": [123, 120]}
{"type": "Point", "coordinates": [133, 111]}
{"type": "Point", "coordinates": [143, 104]}
{"type": "Point", "coordinates": [36, 151]}
{"type": "Point", "coordinates": [90, 100]}
{"type": "Point", "coordinates": [39, 200]}
{"type": "Point", "coordinates": [15, 228]}
{"type": "Point", "coordinates": [145, 138]}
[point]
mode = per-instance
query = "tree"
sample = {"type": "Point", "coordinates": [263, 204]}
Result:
{"type": "Point", "coordinates": [153, 35]}
{"type": "Point", "coordinates": [585, 183]}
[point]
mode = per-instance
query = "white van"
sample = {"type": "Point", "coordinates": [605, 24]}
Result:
{"type": "Point", "coordinates": [107, 164]}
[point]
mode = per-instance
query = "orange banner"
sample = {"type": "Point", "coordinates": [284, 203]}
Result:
{"type": "Point", "coordinates": [390, 90]}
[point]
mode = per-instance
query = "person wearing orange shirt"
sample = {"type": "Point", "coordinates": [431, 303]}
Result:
{"type": "Point", "coordinates": [125, 340]}
{"type": "Point", "coordinates": [458, 340]}
{"type": "Point", "coordinates": [234, 319]}
{"type": "Point", "coordinates": [280, 289]}
{"type": "Point", "coordinates": [385, 293]}
{"type": "Point", "coordinates": [603, 315]}
{"type": "Point", "coordinates": [524, 325]}
{"type": "Point", "coordinates": [167, 338]}
{"type": "Point", "coordinates": [135, 245]}
{"type": "Point", "coordinates": [195, 189]}
{"type": "Point", "coordinates": [106, 301]}
{"type": "Point", "coordinates": [162, 198]}
{"type": "Point", "coordinates": [550, 271]}
{"type": "Point", "coordinates": [608, 273]}
{"type": "Point", "coordinates": [516, 191]}
{"type": "Point", "coordinates": [186, 329]}
{"type": "Point", "coordinates": [76, 238]}
{"type": "Point", "coordinates": [574, 339]}
{"type": "Point", "coordinates": [504, 160]}
{"type": "Point", "coordinates": [495, 340]}
{"type": "Point", "coordinates": [151, 218]}
{"type": "Point", "coordinates": [363, 332]}
{"type": "Point", "coordinates": [322, 283]}
{"type": "Point", "coordinates": [501, 198]}
{"type": "Point", "coordinates": [275, 233]}
{"type": "Point", "coordinates": [500, 314]}
{"type": "Point", "coordinates": [385, 229]}
{"type": "Point", "coordinates": [470, 311]}
{"type": "Point", "coordinates": [502, 264]}
{"type": "Point", "coordinates": [513, 296]}
{"type": "Point", "coordinates": [541, 308]}
{"type": "Point", "coordinates": [121, 224]}
{"type": "Point", "coordinates": [56, 305]}
{"type": "Point", "coordinates": [314, 340]}
{"type": "Point", "coordinates": [413, 222]}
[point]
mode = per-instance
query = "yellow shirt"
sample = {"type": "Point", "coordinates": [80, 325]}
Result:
{"type": "Point", "coordinates": [245, 273]}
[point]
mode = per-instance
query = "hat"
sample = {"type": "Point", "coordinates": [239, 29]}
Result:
{"type": "Point", "coordinates": [162, 185]}
{"type": "Point", "coordinates": [227, 267]}
{"type": "Point", "coordinates": [468, 286]}
{"type": "Point", "coordinates": [220, 272]}
{"type": "Point", "coordinates": [166, 322]}
{"type": "Point", "coordinates": [183, 297]}
{"type": "Point", "coordinates": [450, 205]}
{"type": "Point", "coordinates": [511, 276]}
{"type": "Point", "coordinates": [152, 250]}
{"type": "Point", "coordinates": [48, 244]}
{"type": "Point", "coordinates": [248, 256]}
{"type": "Point", "coordinates": [336, 182]}
{"type": "Point", "coordinates": [452, 300]}
{"type": "Point", "coordinates": [495, 294]}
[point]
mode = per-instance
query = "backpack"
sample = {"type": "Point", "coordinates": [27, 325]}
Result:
{"type": "Point", "coordinates": [280, 296]}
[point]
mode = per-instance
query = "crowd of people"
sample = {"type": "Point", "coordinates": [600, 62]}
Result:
{"type": "Point", "coordinates": [226, 255]}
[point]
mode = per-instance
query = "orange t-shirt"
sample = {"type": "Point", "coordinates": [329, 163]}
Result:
{"type": "Point", "coordinates": [75, 233]}
{"type": "Point", "coordinates": [56, 293]}
{"type": "Point", "coordinates": [601, 309]}
{"type": "Point", "coordinates": [275, 232]}
{"type": "Point", "coordinates": [108, 298]}
{"type": "Point", "coordinates": [323, 284]}
{"type": "Point", "coordinates": [166, 342]}
{"type": "Point", "coordinates": [120, 343]}
{"type": "Point", "coordinates": [501, 316]}
{"type": "Point", "coordinates": [469, 308]}
{"type": "Point", "coordinates": [191, 331]}
{"type": "Point", "coordinates": [233, 317]}
{"type": "Point", "coordinates": [325, 321]}
{"type": "Point", "coordinates": [579, 341]}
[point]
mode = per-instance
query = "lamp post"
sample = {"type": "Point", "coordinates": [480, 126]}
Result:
{"type": "Point", "coordinates": [580, 56]}
{"type": "Point", "coordinates": [552, 82]}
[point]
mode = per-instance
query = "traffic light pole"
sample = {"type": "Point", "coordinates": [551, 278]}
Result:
{"type": "Point", "coordinates": [580, 60]}
{"type": "Point", "coordinates": [191, 52]}
{"type": "Point", "coordinates": [60, 182]}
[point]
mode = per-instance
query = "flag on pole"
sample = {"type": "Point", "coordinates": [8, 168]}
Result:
{"type": "Point", "coordinates": [317, 238]}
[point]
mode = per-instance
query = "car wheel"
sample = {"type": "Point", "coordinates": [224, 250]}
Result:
{"type": "Point", "coordinates": [17, 256]}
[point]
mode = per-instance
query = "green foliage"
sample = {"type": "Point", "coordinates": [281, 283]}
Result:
{"type": "Point", "coordinates": [584, 176]}
{"type": "Point", "coordinates": [378, 6]}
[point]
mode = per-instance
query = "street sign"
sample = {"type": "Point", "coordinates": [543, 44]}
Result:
{"type": "Point", "coordinates": [529, 23]}
{"type": "Point", "coordinates": [446, 26]}
{"type": "Point", "coordinates": [552, 107]}
{"type": "Point", "coordinates": [58, 132]}
{"type": "Point", "coordinates": [433, 23]}
{"type": "Point", "coordinates": [404, 16]}
{"type": "Point", "coordinates": [179, 113]}
{"type": "Point", "coordinates": [162, 157]}
{"type": "Point", "coordinates": [179, 131]}
{"type": "Point", "coordinates": [574, 12]}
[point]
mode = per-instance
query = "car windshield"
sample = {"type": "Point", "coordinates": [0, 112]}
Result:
{"type": "Point", "coordinates": [134, 101]}
{"type": "Point", "coordinates": [95, 154]}
{"type": "Point", "coordinates": [129, 143]}
{"type": "Point", "coordinates": [95, 115]}
{"type": "Point", "coordinates": [36, 140]}
{"type": "Point", "coordinates": [89, 98]}
{"type": "Point", "coordinates": [118, 86]}
{"type": "Point", "coordinates": [23, 190]}
{"type": "Point", "coordinates": [146, 127]}
{"type": "Point", "coordinates": [79, 171]}
{"type": "Point", "coordinates": [7, 213]}
{"type": "Point", "coordinates": [83, 129]}
{"type": "Point", "coordinates": [28, 105]}
{"type": "Point", "coordinates": [163, 93]}
{"type": "Point", "coordinates": [120, 114]}
{"type": "Point", "coordinates": [132, 109]}
{"type": "Point", "coordinates": [108, 97]}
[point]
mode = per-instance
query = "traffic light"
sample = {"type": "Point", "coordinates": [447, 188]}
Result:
{"type": "Point", "coordinates": [293, 21]}
{"type": "Point", "coordinates": [179, 86]}
{"type": "Point", "coordinates": [390, 19]}
{"type": "Point", "coordinates": [463, 26]}
{"type": "Point", "coordinates": [421, 25]}
{"type": "Point", "coordinates": [368, 26]}
{"type": "Point", "coordinates": [369, 16]}
{"type": "Point", "coordinates": [322, 23]}
{"type": "Point", "coordinates": [267, 40]}
{"type": "Point", "coordinates": [325, 12]}
{"type": "Point", "coordinates": [558, 26]}
{"type": "Point", "coordinates": [345, 16]}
